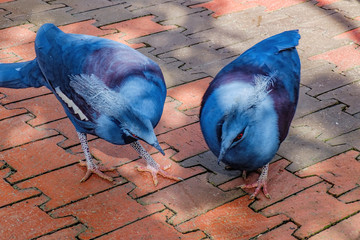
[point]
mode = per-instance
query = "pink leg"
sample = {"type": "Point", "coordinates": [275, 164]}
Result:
{"type": "Point", "coordinates": [152, 167]}
{"type": "Point", "coordinates": [91, 166]}
{"type": "Point", "coordinates": [261, 183]}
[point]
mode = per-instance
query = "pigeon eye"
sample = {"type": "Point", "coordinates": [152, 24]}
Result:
{"type": "Point", "coordinates": [134, 136]}
{"type": "Point", "coordinates": [238, 137]}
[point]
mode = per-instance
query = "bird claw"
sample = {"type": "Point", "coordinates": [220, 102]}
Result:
{"type": "Point", "coordinates": [262, 185]}
{"type": "Point", "coordinates": [154, 171]}
{"type": "Point", "coordinates": [98, 170]}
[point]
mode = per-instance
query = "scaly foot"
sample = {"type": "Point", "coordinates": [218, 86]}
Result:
{"type": "Point", "coordinates": [261, 183]}
{"type": "Point", "coordinates": [96, 169]}
{"type": "Point", "coordinates": [154, 171]}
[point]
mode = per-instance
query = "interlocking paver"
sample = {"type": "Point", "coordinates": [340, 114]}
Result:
{"type": "Point", "coordinates": [65, 234]}
{"type": "Point", "coordinates": [284, 232]}
{"type": "Point", "coordinates": [14, 95]}
{"type": "Point", "coordinates": [352, 196]}
{"type": "Point", "coordinates": [103, 213]}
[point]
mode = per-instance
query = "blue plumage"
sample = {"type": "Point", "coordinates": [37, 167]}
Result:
{"type": "Point", "coordinates": [106, 88]}
{"type": "Point", "coordinates": [247, 110]}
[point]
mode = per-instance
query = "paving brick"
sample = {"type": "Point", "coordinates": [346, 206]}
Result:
{"type": "Point", "coordinates": [345, 230]}
{"type": "Point", "coordinates": [328, 123]}
{"type": "Point", "coordinates": [188, 141]}
{"type": "Point", "coordinates": [216, 222]}
{"type": "Point", "coordinates": [284, 232]}
{"type": "Point", "coordinates": [18, 132]}
{"type": "Point", "coordinates": [64, 234]}
{"type": "Point", "coordinates": [352, 196]}
{"type": "Point", "coordinates": [347, 95]}
{"type": "Point", "coordinates": [344, 58]}
{"type": "Point", "coordinates": [84, 5]}
{"type": "Point", "coordinates": [143, 181]}
{"type": "Point", "coordinates": [46, 108]}
{"type": "Point", "coordinates": [32, 221]}
{"type": "Point", "coordinates": [11, 195]}
{"type": "Point", "coordinates": [85, 27]}
{"type": "Point", "coordinates": [350, 139]}
{"type": "Point", "coordinates": [191, 198]}
{"type": "Point", "coordinates": [25, 51]}
{"type": "Point", "coordinates": [303, 149]}
{"type": "Point", "coordinates": [352, 35]}
{"type": "Point", "coordinates": [152, 227]}
{"type": "Point", "coordinates": [346, 8]}
{"type": "Point", "coordinates": [342, 171]}
{"type": "Point", "coordinates": [190, 95]}
{"type": "Point", "coordinates": [281, 184]}
{"type": "Point", "coordinates": [107, 211]}
{"type": "Point", "coordinates": [5, 113]}
{"type": "Point", "coordinates": [16, 36]}
{"type": "Point", "coordinates": [317, 203]}
{"type": "Point", "coordinates": [63, 186]}
{"type": "Point", "coordinates": [172, 118]}
{"type": "Point", "coordinates": [36, 158]}
{"type": "Point", "coordinates": [325, 2]}
{"type": "Point", "coordinates": [14, 95]}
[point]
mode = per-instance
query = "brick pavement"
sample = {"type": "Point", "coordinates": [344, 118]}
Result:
{"type": "Point", "coordinates": [314, 180]}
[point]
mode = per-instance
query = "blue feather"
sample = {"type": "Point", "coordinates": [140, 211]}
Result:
{"type": "Point", "coordinates": [247, 110]}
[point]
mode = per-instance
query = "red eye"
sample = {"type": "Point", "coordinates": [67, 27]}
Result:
{"type": "Point", "coordinates": [238, 137]}
{"type": "Point", "coordinates": [134, 135]}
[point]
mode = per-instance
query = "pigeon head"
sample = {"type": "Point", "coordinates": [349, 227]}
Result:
{"type": "Point", "coordinates": [249, 128]}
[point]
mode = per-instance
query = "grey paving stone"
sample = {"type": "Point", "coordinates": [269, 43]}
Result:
{"type": "Point", "coordinates": [84, 5]}
{"type": "Point", "coordinates": [328, 123]}
{"type": "Point", "coordinates": [351, 139]}
{"type": "Point", "coordinates": [349, 8]}
{"type": "Point", "coordinates": [303, 149]}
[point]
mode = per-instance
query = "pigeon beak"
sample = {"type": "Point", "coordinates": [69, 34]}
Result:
{"type": "Point", "coordinates": [157, 146]}
{"type": "Point", "coordinates": [221, 155]}
{"type": "Point", "coordinates": [225, 145]}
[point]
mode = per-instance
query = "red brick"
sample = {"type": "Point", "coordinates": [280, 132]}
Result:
{"type": "Point", "coordinates": [15, 95]}
{"type": "Point", "coordinates": [314, 209]}
{"type": "Point", "coordinates": [342, 171]}
{"type": "Point", "coordinates": [65, 234]}
{"type": "Point", "coordinates": [344, 58]}
{"type": "Point", "coordinates": [222, 7]}
{"type": "Point", "coordinates": [172, 118]}
{"type": "Point", "coordinates": [284, 232]}
{"type": "Point", "coordinates": [9, 194]}
{"type": "Point", "coordinates": [16, 35]}
{"type": "Point", "coordinates": [135, 28]}
{"type": "Point", "coordinates": [25, 220]}
{"type": "Point", "coordinates": [281, 184]}
{"type": "Point", "coordinates": [143, 180]}
{"type": "Point", "coordinates": [346, 230]}
{"type": "Point", "coordinates": [325, 2]}
{"type": "Point", "coordinates": [63, 186]}
{"type": "Point", "coordinates": [152, 227]}
{"type": "Point", "coordinates": [190, 94]}
{"type": "Point", "coordinates": [46, 109]}
{"type": "Point", "coordinates": [187, 140]}
{"type": "Point", "coordinates": [234, 220]}
{"type": "Point", "coordinates": [107, 211]}
{"type": "Point", "coordinates": [191, 198]}
{"type": "Point", "coordinates": [25, 51]}
{"type": "Point", "coordinates": [85, 27]}
{"type": "Point", "coordinates": [353, 35]}
{"type": "Point", "coordinates": [351, 196]}
{"type": "Point", "coordinates": [17, 132]}
{"type": "Point", "coordinates": [5, 113]}
{"type": "Point", "coordinates": [4, 1]}
{"type": "Point", "coordinates": [37, 157]}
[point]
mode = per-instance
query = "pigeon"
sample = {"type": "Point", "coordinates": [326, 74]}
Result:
{"type": "Point", "coordinates": [106, 88]}
{"type": "Point", "coordinates": [247, 109]}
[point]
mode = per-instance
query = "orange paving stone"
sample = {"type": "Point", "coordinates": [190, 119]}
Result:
{"type": "Point", "coordinates": [191, 197]}
{"type": "Point", "coordinates": [314, 209]}
{"type": "Point", "coordinates": [16, 35]}
{"type": "Point", "coordinates": [281, 184]}
{"type": "Point", "coordinates": [187, 140]}
{"type": "Point", "coordinates": [65, 234]}
{"type": "Point", "coordinates": [107, 211]}
{"type": "Point", "coordinates": [345, 230]}
{"type": "Point", "coordinates": [9, 194]}
{"type": "Point", "coordinates": [153, 227]}
{"type": "Point", "coordinates": [143, 181]}
{"type": "Point", "coordinates": [37, 157]}
{"type": "Point", "coordinates": [5, 113]}
{"type": "Point", "coordinates": [284, 232]}
{"type": "Point", "coordinates": [46, 108]}
{"type": "Point", "coordinates": [18, 132]}
{"type": "Point", "coordinates": [135, 28]}
{"type": "Point", "coordinates": [344, 58]}
{"type": "Point", "coordinates": [325, 2]}
{"type": "Point", "coordinates": [14, 95]}
{"type": "Point", "coordinates": [233, 220]}
{"type": "Point", "coordinates": [25, 51]}
{"type": "Point", "coordinates": [352, 196]}
{"type": "Point", "coordinates": [63, 186]}
{"type": "Point", "coordinates": [85, 27]}
{"type": "Point", "coordinates": [172, 118]}
{"type": "Point", "coordinates": [353, 35]}
{"type": "Point", "coordinates": [25, 220]}
{"type": "Point", "coordinates": [342, 171]}
{"type": "Point", "coordinates": [222, 7]}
